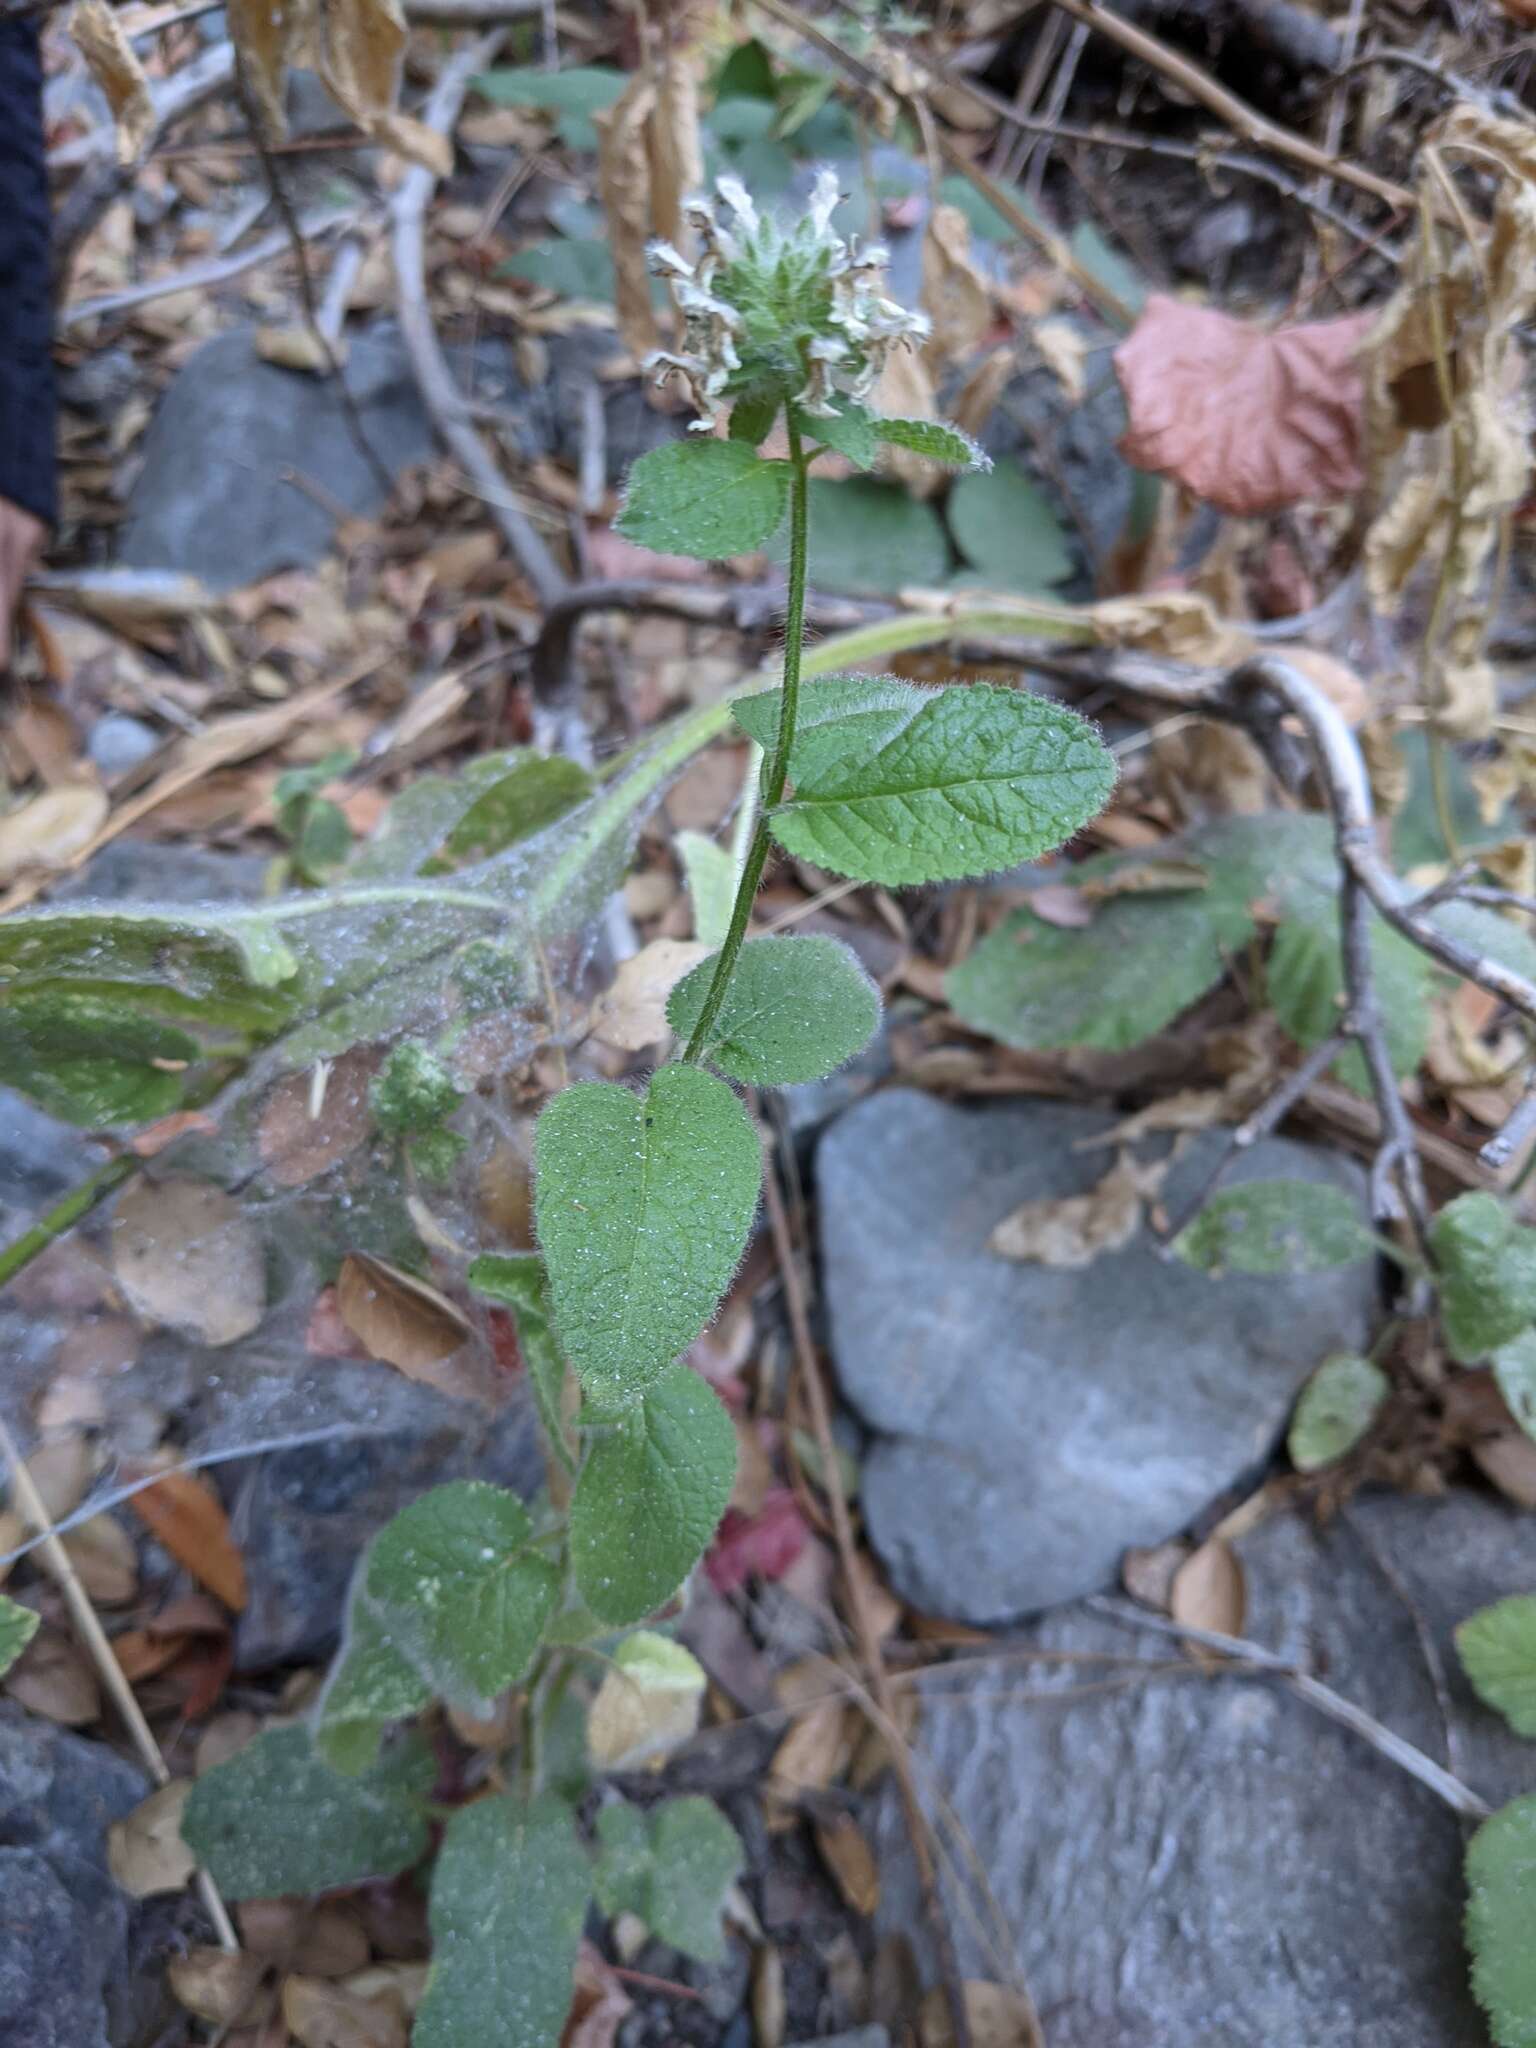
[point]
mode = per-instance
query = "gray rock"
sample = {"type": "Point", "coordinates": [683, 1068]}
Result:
{"type": "Point", "coordinates": [118, 743]}
{"type": "Point", "coordinates": [74, 1972]}
{"type": "Point", "coordinates": [1192, 1859]}
{"type": "Point", "coordinates": [145, 871]}
{"type": "Point", "coordinates": [221, 494]}
{"type": "Point", "coordinates": [1033, 1422]}
{"type": "Point", "coordinates": [860, 2037]}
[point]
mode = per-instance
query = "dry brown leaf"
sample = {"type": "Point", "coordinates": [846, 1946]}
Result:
{"type": "Point", "coordinates": [52, 829]}
{"type": "Point", "coordinates": [1148, 1575]}
{"type": "Point", "coordinates": [1509, 1463]}
{"type": "Point", "coordinates": [1063, 348]}
{"type": "Point", "coordinates": [954, 295]}
{"type": "Point", "coordinates": [599, 2003]}
{"type": "Point", "coordinates": [297, 348]}
{"type": "Point", "coordinates": [320, 2015]}
{"type": "Point", "coordinates": [624, 187]}
{"type": "Point", "coordinates": [815, 1752]}
{"type": "Point", "coordinates": [110, 56]}
{"type": "Point", "coordinates": [1058, 903]}
{"type": "Point", "coordinates": [215, 1985]}
{"type": "Point", "coordinates": [145, 1851]}
{"type": "Point", "coordinates": [1247, 420]}
{"type": "Point", "coordinates": [1146, 878]}
{"type": "Point", "coordinates": [1208, 1591]}
{"type": "Point", "coordinates": [186, 1517]}
{"type": "Point", "coordinates": [262, 32]}
{"type": "Point", "coordinates": [361, 43]}
{"type": "Point", "coordinates": [60, 1469]}
{"type": "Point", "coordinates": [404, 1982]}
{"type": "Point", "coordinates": [673, 143]}
{"type": "Point", "coordinates": [1178, 623]}
{"type": "Point", "coordinates": [644, 1709]}
{"type": "Point", "coordinates": [415, 141]}
{"type": "Point", "coordinates": [400, 1320]}
{"type": "Point", "coordinates": [1343, 686]}
{"type": "Point", "coordinates": [976, 400]}
{"type": "Point", "coordinates": [304, 1131]}
{"type": "Point", "coordinates": [769, 2010]}
{"type": "Point", "coordinates": [54, 1678]}
{"type": "Point", "coordinates": [851, 1861]}
{"type": "Point", "coordinates": [102, 1553]}
{"type": "Point", "coordinates": [633, 1013]}
{"type": "Point", "coordinates": [1072, 1230]}
{"type": "Point", "coordinates": [165, 1130]}
{"type": "Point", "coordinates": [996, 2016]}
{"type": "Point", "coordinates": [186, 1255]}
{"type": "Point", "coordinates": [905, 391]}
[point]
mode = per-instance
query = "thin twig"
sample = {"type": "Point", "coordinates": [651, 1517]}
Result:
{"type": "Point", "coordinates": [202, 275]}
{"type": "Point", "coordinates": [56, 1558]}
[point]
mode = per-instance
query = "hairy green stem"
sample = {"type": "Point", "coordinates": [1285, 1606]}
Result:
{"type": "Point", "coordinates": [64, 1215]}
{"type": "Point", "coordinates": [776, 769]}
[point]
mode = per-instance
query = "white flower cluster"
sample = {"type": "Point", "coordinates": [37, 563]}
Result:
{"type": "Point", "coordinates": [842, 346]}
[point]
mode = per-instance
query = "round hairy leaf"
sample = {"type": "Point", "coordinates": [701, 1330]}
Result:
{"type": "Point", "coordinates": [643, 1204]}
{"type": "Point", "coordinates": [703, 498]}
{"type": "Point", "coordinates": [796, 1009]}
{"type": "Point", "coordinates": [898, 784]}
{"type": "Point", "coordinates": [935, 439]}
{"type": "Point", "coordinates": [371, 1684]}
{"type": "Point", "coordinates": [460, 1593]}
{"type": "Point", "coordinates": [1337, 1406]}
{"type": "Point", "coordinates": [1501, 1911]}
{"type": "Point", "coordinates": [673, 1867]}
{"type": "Point", "coordinates": [1514, 1367]}
{"type": "Point", "coordinates": [277, 1819]}
{"type": "Point", "coordinates": [650, 1497]}
{"type": "Point", "coordinates": [509, 1895]}
{"type": "Point", "coordinates": [1275, 1226]}
{"type": "Point", "coordinates": [1497, 1647]}
{"type": "Point", "coordinates": [1487, 1268]}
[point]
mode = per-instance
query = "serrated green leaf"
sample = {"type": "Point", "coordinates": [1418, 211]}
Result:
{"type": "Point", "coordinates": [1501, 1911]}
{"type": "Point", "coordinates": [1487, 1268]}
{"type": "Point", "coordinates": [898, 784]}
{"type": "Point", "coordinates": [871, 539]}
{"type": "Point", "coordinates": [509, 1895]}
{"type": "Point", "coordinates": [796, 1008]}
{"type": "Point", "coordinates": [518, 1281]}
{"type": "Point", "coordinates": [1497, 1647]}
{"type": "Point", "coordinates": [1337, 1406]}
{"type": "Point", "coordinates": [18, 1625]}
{"type": "Point", "coordinates": [673, 1866]}
{"type": "Point", "coordinates": [459, 1592]}
{"type": "Point", "coordinates": [1275, 1226]}
{"type": "Point", "coordinates": [370, 1685]}
{"type": "Point", "coordinates": [1514, 1368]}
{"type": "Point", "coordinates": [413, 1090]}
{"type": "Point", "coordinates": [1007, 529]}
{"type": "Point", "coordinates": [707, 499]}
{"type": "Point", "coordinates": [276, 1818]}
{"type": "Point", "coordinates": [642, 1205]}
{"type": "Point", "coordinates": [710, 874]}
{"type": "Point", "coordinates": [935, 439]}
{"type": "Point", "coordinates": [650, 1496]}
{"type": "Point", "coordinates": [851, 431]}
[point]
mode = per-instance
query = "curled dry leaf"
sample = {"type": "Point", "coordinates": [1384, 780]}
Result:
{"type": "Point", "coordinates": [955, 295]}
{"type": "Point", "coordinates": [1208, 1590]}
{"type": "Point", "coordinates": [406, 1323]}
{"type": "Point", "coordinates": [649, 1702]}
{"type": "Point", "coordinates": [102, 1553]}
{"type": "Point", "coordinates": [298, 348]}
{"type": "Point", "coordinates": [261, 31]}
{"type": "Point", "coordinates": [673, 142]}
{"type": "Point", "coordinates": [624, 187]}
{"type": "Point", "coordinates": [905, 391]}
{"type": "Point", "coordinates": [1343, 686]}
{"type": "Point", "coordinates": [51, 830]}
{"type": "Point", "coordinates": [848, 1856]}
{"type": "Point", "coordinates": [145, 1851]}
{"type": "Point", "coordinates": [186, 1517]}
{"type": "Point", "coordinates": [321, 2015]}
{"type": "Point", "coordinates": [361, 43]}
{"type": "Point", "coordinates": [54, 1678]}
{"type": "Point", "coordinates": [215, 1985]}
{"type": "Point", "coordinates": [996, 2016]}
{"type": "Point", "coordinates": [1179, 623]}
{"type": "Point", "coordinates": [1248, 420]}
{"type": "Point", "coordinates": [105, 47]}
{"type": "Point", "coordinates": [305, 1129]}
{"type": "Point", "coordinates": [600, 2002]}
{"type": "Point", "coordinates": [633, 1013]}
{"type": "Point", "coordinates": [1064, 350]}
{"type": "Point", "coordinates": [1074, 1229]}
{"type": "Point", "coordinates": [186, 1255]}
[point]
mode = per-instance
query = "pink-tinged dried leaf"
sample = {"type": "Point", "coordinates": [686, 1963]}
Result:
{"type": "Point", "coordinates": [1248, 420]}
{"type": "Point", "coordinates": [764, 1545]}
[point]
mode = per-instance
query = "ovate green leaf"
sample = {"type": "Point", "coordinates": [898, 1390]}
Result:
{"type": "Point", "coordinates": [852, 431]}
{"type": "Point", "coordinates": [459, 1592]}
{"type": "Point", "coordinates": [936, 439]}
{"type": "Point", "coordinates": [1337, 1406]}
{"type": "Point", "coordinates": [1275, 1226]}
{"type": "Point", "coordinates": [537, 791]}
{"type": "Point", "coordinates": [898, 784]}
{"type": "Point", "coordinates": [703, 498]}
{"type": "Point", "coordinates": [711, 877]}
{"type": "Point", "coordinates": [519, 1282]}
{"type": "Point", "coordinates": [1497, 1647]}
{"type": "Point", "coordinates": [277, 1819]}
{"type": "Point", "coordinates": [673, 1867]}
{"type": "Point", "coordinates": [796, 1009]}
{"type": "Point", "coordinates": [1514, 1368]}
{"type": "Point", "coordinates": [91, 1060]}
{"type": "Point", "coordinates": [1007, 529]}
{"type": "Point", "coordinates": [1501, 1911]}
{"type": "Point", "coordinates": [650, 1496]}
{"type": "Point", "coordinates": [371, 1684]}
{"type": "Point", "coordinates": [871, 539]}
{"type": "Point", "coordinates": [509, 1895]}
{"type": "Point", "coordinates": [1487, 1268]}
{"type": "Point", "coordinates": [18, 1625]}
{"type": "Point", "coordinates": [643, 1204]}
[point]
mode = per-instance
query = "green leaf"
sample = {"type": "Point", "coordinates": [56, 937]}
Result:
{"type": "Point", "coordinates": [90, 1060]}
{"type": "Point", "coordinates": [1006, 528]}
{"type": "Point", "coordinates": [573, 96]}
{"type": "Point", "coordinates": [370, 1686]}
{"type": "Point", "coordinates": [413, 1091]}
{"type": "Point", "coordinates": [642, 1204]}
{"type": "Point", "coordinates": [984, 218]}
{"type": "Point", "coordinates": [1487, 1267]}
{"type": "Point", "coordinates": [1306, 986]}
{"type": "Point", "coordinates": [1497, 1647]}
{"type": "Point", "coordinates": [461, 1595]}
{"type": "Point", "coordinates": [1501, 1911]}
{"type": "Point", "coordinates": [18, 1625]}
{"type": "Point", "coordinates": [673, 1867]}
{"type": "Point", "coordinates": [898, 784]}
{"type": "Point", "coordinates": [277, 1819]}
{"type": "Point", "coordinates": [935, 439]}
{"type": "Point", "coordinates": [509, 1896]}
{"type": "Point", "coordinates": [534, 794]}
{"type": "Point", "coordinates": [435, 1154]}
{"type": "Point", "coordinates": [1514, 1368]}
{"type": "Point", "coordinates": [703, 498]}
{"type": "Point", "coordinates": [1275, 1226]}
{"type": "Point", "coordinates": [650, 1497]}
{"type": "Point", "coordinates": [1103, 261]}
{"type": "Point", "coordinates": [851, 431]}
{"type": "Point", "coordinates": [796, 1008]}
{"type": "Point", "coordinates": [710, 874]}
{"type": "Point", "coordinates": [518, 1281]}
{"type": "Point", "coordinates": [1337, 1406]}
{"type": "Point", "coordinates": [574, 267]}
{"type": "Point", "coordinates": [870, 539]}
{"type": "Point", "coordinates": [752, 417]}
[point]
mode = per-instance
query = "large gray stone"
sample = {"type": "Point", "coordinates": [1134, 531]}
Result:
{"type": "Point", "coordinates": [73, 1967]}
{"type": "Point", "coordinates": [1033, 1422]}
{"type": "Point", "coordinates": [1180, 1858]}
{"type": "Point", "coordinates": [222, 492]}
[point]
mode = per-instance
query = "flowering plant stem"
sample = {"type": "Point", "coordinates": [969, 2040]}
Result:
{"type": "Point", "coordinates": [776, 768]}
